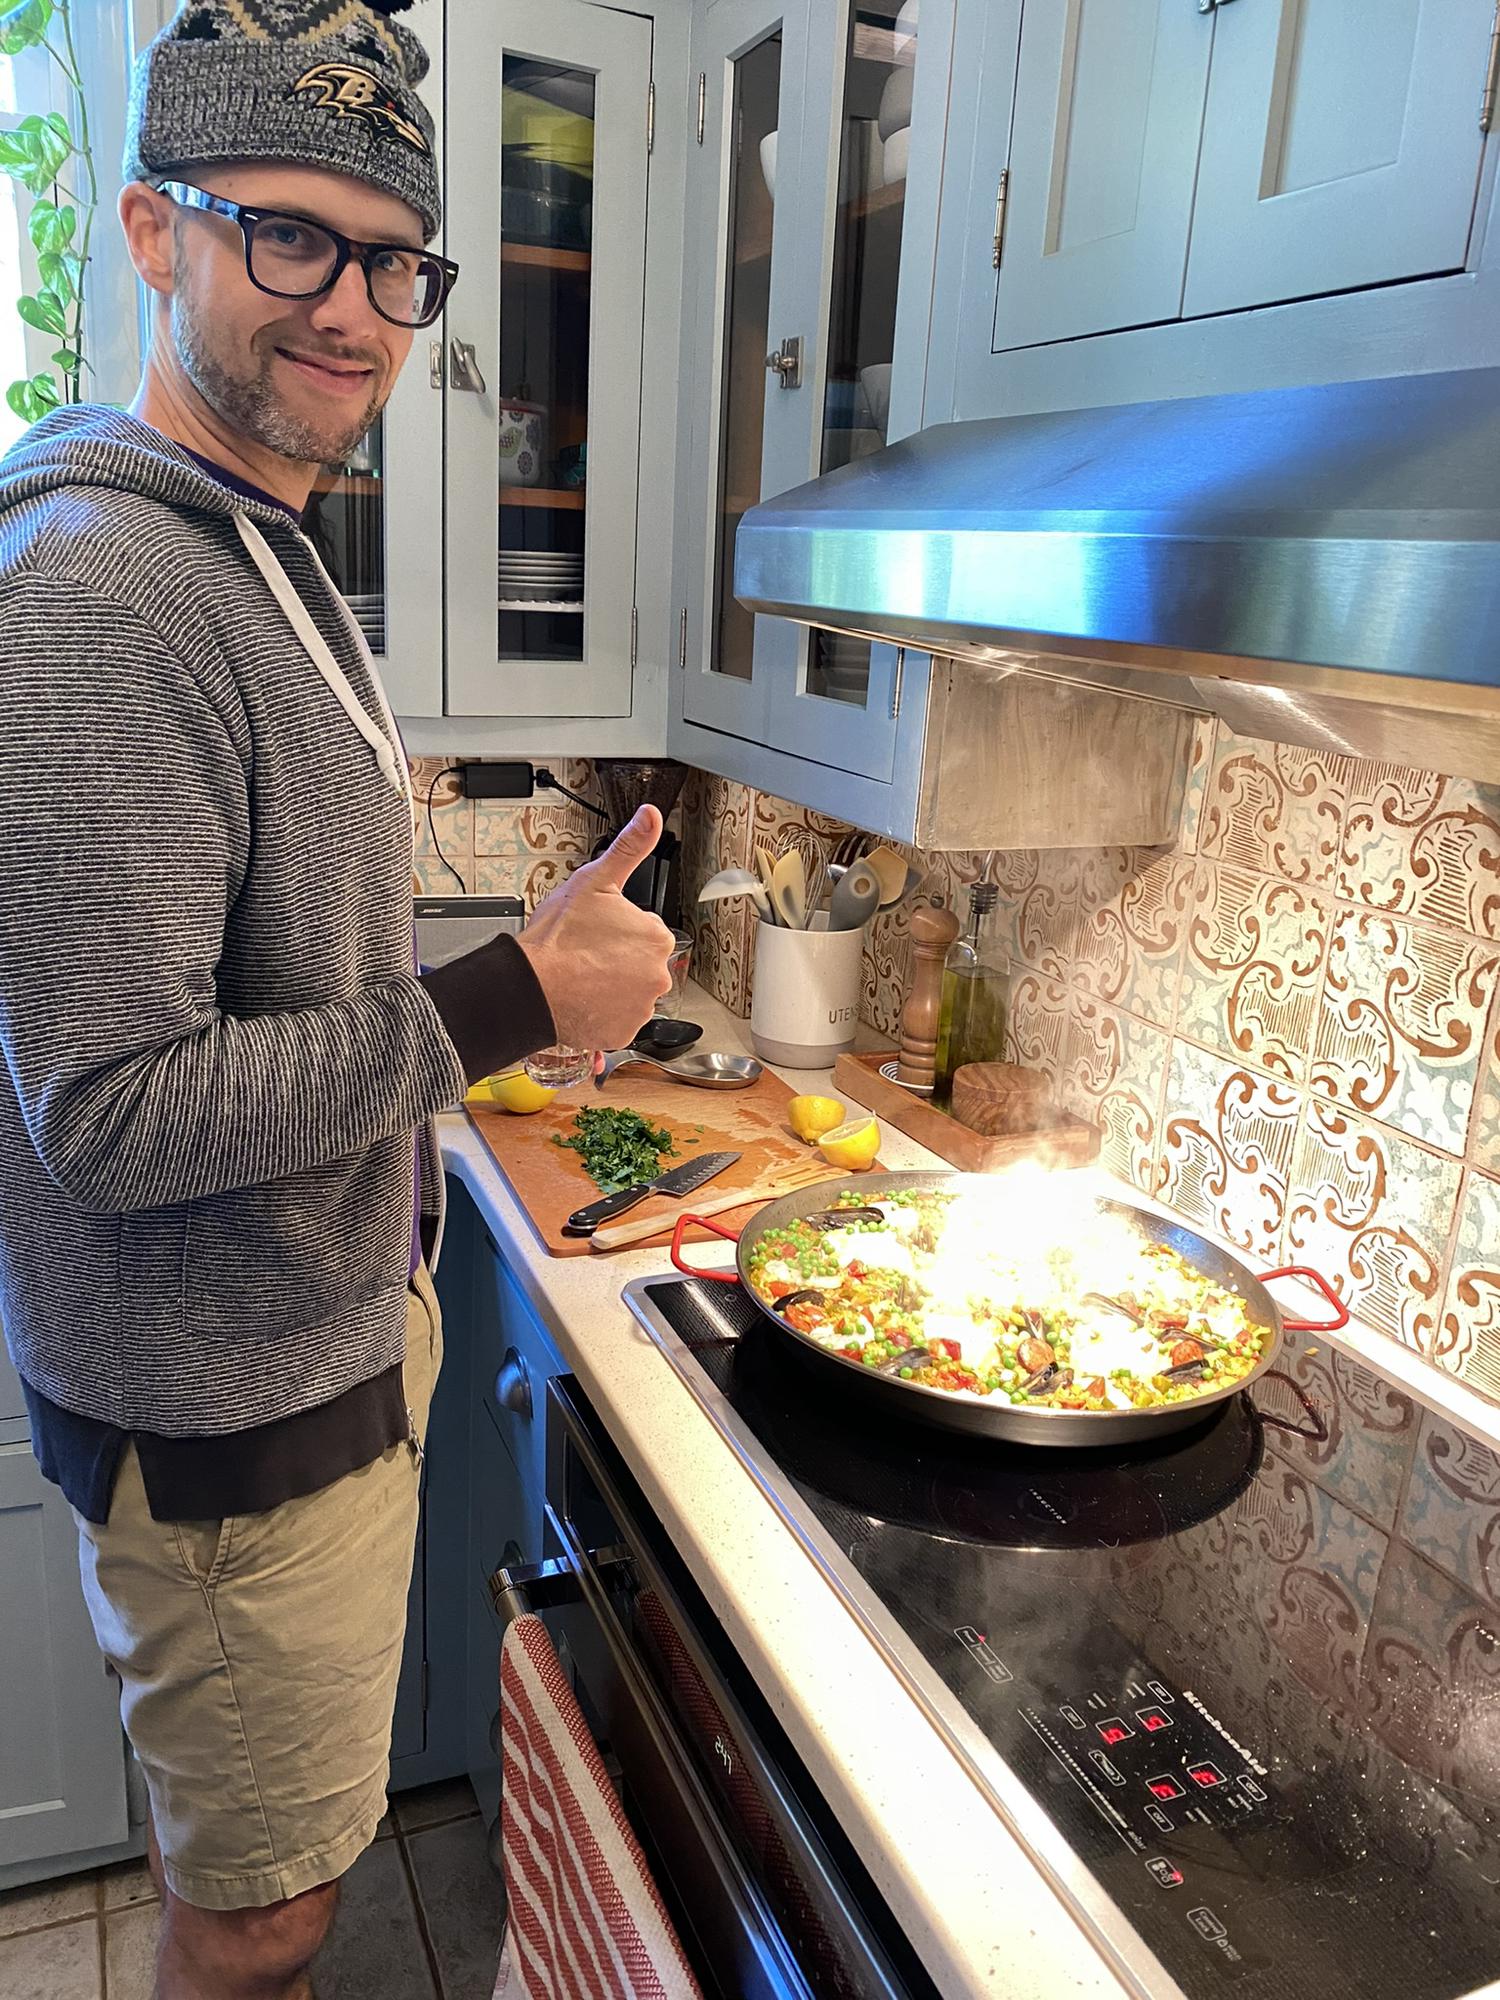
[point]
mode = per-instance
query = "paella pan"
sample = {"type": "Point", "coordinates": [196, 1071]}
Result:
{"type": "Point", "coordinates": [1020, 1308]}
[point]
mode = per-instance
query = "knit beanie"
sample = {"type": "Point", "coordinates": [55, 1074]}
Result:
{"type": "Point", "coordinates": [321, 83]}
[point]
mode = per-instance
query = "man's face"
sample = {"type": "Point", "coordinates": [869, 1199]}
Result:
{"type": "Point", "coordinates": [305, 378]}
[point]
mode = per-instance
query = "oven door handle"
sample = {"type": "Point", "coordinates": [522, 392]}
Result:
{"type": "Point", "coordinates": [518, 1588]}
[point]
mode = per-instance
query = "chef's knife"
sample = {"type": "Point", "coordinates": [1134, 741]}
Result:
{"type": "Point", "coordinates": [676, 1181]}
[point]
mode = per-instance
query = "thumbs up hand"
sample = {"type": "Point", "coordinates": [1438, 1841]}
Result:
{"type": "Point", "coordinates": [602, 962]}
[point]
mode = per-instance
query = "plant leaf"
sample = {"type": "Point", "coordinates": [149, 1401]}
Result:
{"type": "Point", "coordinates": [52, 227]}
{"type": "Point", "coordinates": [24, 27]}
{"type": "Point", "coordinates": [46, 391]}
{"type": "Point", "coordinates": [39, 313]}
{"type": "Point", "coordinates": [56, 122]}
{"type": "Point", "coordinates": [68, 359]}
{"type": "Point", "coordinates": [15, 152]}
{"type": "Point", "coordinates": [22, 399]}
{"type": "Point", "coordinates": [56, 276]}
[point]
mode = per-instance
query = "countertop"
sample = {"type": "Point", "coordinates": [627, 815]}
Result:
{"type": "Point", "coordinates": [995, 1925]}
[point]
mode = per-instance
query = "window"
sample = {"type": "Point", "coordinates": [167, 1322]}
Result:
{"type": "Point", "coordinates": [104, 42]}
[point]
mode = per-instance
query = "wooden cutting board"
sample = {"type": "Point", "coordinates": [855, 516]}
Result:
{"type": "Point", "coordinates": [549, 1180]}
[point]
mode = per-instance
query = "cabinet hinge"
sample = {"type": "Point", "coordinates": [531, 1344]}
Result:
{"type": "Point", "coordinates": [650, 116]}
{"type": "Point", "coordinates": [682, 638]}
{"type": "Point", "coordinates": [702, 102]}
{"type": "Point", "coordinates": [1491, 76]}
{"type": "Point", "coordinates": [635, 632]}
{"type": "Point", "coordinates": [896, 680]}
{"type": "Point", "coordinates": [1000, 194]}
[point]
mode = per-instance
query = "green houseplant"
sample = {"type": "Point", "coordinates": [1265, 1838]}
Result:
{"type": "Point", "coordinates": [50, 156]}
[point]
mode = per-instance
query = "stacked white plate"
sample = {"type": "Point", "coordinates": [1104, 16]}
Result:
{"type": "Point", "coordinates": [369, 614]}
{"type": "Point", "coordinates": [541, 576]}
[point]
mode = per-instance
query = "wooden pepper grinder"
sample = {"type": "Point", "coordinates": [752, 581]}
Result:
{"type": "Point", "coordinates": [933, 930]}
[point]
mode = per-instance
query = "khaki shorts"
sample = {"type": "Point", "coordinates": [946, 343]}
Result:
{"type": "Point", "coordinates": [258, 1658]}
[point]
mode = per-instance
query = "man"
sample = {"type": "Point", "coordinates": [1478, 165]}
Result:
{"type": "Point", "coordinates": [217, 1051]}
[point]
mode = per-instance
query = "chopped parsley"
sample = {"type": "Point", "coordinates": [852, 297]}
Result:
{"type": "Point", "coordinates": [618, 1148]}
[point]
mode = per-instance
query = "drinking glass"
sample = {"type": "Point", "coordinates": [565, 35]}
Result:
{"type": "Point", "coordinates": [559, 1066]}
{"type": "Point", "coordinates": [669, 1004]}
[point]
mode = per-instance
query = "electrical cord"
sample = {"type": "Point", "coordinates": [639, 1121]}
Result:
{"type": "Point", "coordinates": [549, 783]}
{"type": "Point", "coordinates": [451, 771]}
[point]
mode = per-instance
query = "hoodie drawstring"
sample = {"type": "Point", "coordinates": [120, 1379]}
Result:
{"type": "Point", "coordinates": [386, 742]}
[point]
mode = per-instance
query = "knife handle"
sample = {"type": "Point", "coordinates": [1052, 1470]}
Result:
{"type": "Point", "coordinates": [584, 1221]}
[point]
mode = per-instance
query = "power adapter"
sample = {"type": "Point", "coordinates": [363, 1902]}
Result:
{"type": "Point", "coordinates": [497, 781]}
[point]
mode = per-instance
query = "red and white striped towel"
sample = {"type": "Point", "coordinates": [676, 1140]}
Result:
{"type": "Point", "coordinates": [584, 1920]}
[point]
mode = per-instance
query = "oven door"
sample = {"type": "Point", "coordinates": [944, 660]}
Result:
{"type": "Point", "coordinates": [768, 1897]}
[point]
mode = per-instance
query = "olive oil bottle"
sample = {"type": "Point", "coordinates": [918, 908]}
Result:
{"type": "Point", "coordinates": [974, 1022]}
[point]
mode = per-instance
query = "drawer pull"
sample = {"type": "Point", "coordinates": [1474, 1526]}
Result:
{"type": "Point", "coordinates": [513, 1385]}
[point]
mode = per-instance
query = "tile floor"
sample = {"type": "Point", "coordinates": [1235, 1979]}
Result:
{"type": "Point", "coordinates": [419, 1919]}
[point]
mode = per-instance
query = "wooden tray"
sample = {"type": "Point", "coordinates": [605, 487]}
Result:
{"type": "Point", "coordinates": [549, 1181]}
{"type": "Point", "coordinates": [1068, 1142]}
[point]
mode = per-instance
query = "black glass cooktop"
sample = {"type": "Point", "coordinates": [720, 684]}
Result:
{"type": "Point", "coordinates": [1251, 1675]}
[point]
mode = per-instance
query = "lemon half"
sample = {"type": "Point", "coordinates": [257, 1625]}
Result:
{"type": "Point", "coordinates": [811, 1117]}
{"type": "Point", "coordinates": [512, 1090]}
{"type": "Point", "coordinates": [852, 1146]}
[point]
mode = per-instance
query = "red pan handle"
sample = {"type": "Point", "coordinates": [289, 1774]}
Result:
{"type": "Point", "coordinates": [692, 1270]}
{"type": "Point", "coordinates": [1319, 1283]}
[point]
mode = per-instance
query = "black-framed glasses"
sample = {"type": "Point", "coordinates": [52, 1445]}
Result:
{"type": "Point", "coordinates": [291, 257]}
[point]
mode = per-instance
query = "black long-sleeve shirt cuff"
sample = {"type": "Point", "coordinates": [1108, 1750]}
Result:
{"type": "Point", "coordinates": [492, 1005]}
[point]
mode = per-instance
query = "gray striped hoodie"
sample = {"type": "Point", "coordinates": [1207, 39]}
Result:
{"type": "Point", "coordinates": [216, 1049]}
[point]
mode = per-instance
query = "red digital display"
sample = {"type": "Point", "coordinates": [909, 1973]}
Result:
{"type": "Point", "coordinates": [1152, 1719]}
{"type": "Point", "coordinates": [1205, 1776]}
{"type": "Point", "coordinates": [1164, 1788]}
{"type": "Point", "coordinates": [1114, 1732]}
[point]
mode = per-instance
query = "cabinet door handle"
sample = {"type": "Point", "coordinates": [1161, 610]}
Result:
{"type": "Point", "coordinates": [785, 362]}
{"type": "Point", "coordinates": [463, 367]}
{"type": "Point", "coordinates": [513, 1385]}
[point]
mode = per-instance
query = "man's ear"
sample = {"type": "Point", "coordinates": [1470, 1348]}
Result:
{"type": "Point", "coordinates": [149, 220]}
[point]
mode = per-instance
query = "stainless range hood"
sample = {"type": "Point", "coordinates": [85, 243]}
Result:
{"type": "Point", "coordinates": [1317, 565]}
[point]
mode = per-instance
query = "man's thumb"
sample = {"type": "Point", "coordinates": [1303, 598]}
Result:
{"type": "Point", "coordinates": [629, 848]}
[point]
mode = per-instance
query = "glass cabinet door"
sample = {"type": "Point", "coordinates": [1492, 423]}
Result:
{"type": "Point", "coordinates": [750, 421]}
{"type": "Point", "coordinates": [543, 361]}
{"type": "Point", "coordinates": [345, 522]}
{"type": "Point", "coordinates": [836, 699]}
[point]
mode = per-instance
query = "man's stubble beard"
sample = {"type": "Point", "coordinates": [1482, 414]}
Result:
{"type": "Point", "coordinates": [253, 408]}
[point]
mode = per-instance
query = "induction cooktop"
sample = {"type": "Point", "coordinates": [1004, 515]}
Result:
{"type": "Point", "coordinates": [1238, 1691]}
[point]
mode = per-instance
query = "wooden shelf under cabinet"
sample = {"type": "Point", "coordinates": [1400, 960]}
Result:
{"type": "Point", "coordinates": [543, 256]}
{"type": "Point", "coordinates": [542, 496]}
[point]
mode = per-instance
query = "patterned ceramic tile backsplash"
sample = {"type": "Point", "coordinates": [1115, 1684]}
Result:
{"type": "Point", "coordinates": [502, 847]}
{"type": "Point", "coordinates": [1286, 1026]}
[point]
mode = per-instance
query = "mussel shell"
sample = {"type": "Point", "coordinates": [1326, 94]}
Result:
{"type": "Point", "coordinates": [1185, 1371]}
{"type": "Point", "coordinates": [840, 1218]}
{"type": "Point", "coordinates": [907, 1358]}
{"type": "Point", "coordinates": [1046, 1380]}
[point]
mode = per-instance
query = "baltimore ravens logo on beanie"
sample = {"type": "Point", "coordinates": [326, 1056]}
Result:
{"type": "Point", "coordinates": [326, 83]}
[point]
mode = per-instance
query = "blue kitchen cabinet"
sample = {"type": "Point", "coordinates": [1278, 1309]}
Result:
{"type": "Point", "coordinates": [62, 1754]}
{"type": "Point", "coordinates": [512, 1360]}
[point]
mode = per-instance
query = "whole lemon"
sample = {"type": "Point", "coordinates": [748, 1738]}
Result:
{"type": "Point", "coordinates": [811, 1117]}
{"type": "Point", "coordinates": [512, 1090]}
{"type": "Point", "coordinates": [852, 1147]}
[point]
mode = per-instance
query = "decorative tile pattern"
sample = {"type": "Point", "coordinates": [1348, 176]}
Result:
{"type": "Point", "coordinates": [1039, 1025]}
{"type": "Point", "coordinates": [1372, 1211]}
{"type": "Point", "coordinates": [1402, 1021]}
{"type": "Point", "coordinates": [1205, 736]}
{"type": "Point", "coordinates": [1369, 1428]}
{"type": "Point", "coordinates": [1116, 1069]}
{"type": "Point", "coordinates": [1252, 969]}
{"type": "Point", "coordinates": [1468, 1341]}
{"type": "Point", "coordinates": [1226, 1150]}
{"type": "Point", "coordinates": [716, 834]}
{"type": "Point", "coordinates": [1418, 844]}
{"type": "Point", "coordinates": [1132, 917]}
{"type": "Point", "coordinates": [1433, 1678]}
{"type": "Point", "coordinates": [1484, 1139]}
{"type": "Point", "coordinates": [1451, 1513]}
{"type": "Point", "coordinates": [1275, 808]}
